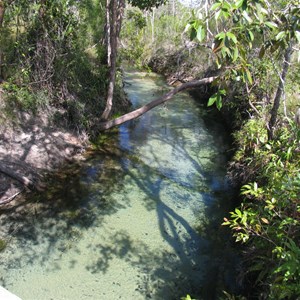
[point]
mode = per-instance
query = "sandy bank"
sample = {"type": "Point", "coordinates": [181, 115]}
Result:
{"type": "Point", "coordinates": [29, 150]}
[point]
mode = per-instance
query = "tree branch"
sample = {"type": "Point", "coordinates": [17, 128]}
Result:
{"type": "Point", "coordinates": [11, 198]}
{"type": "Point", "coordinates": [22, 179]}
{"type": "Point", "coordinates": [140, 111]}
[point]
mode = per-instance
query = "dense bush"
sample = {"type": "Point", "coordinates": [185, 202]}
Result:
{"type": "Point", "coordinates": [50, 59]}
{"type": "Point", "coordinates": [268, 219]}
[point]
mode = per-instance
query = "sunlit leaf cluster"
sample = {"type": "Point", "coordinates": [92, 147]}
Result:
{"type": "Point", "coordinates": [147, 4]}
{"type": "Point", "coordinates": [237, 29]}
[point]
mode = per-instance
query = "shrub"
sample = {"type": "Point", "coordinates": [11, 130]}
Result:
{"type": "Point", "coordinates": [269, 215]}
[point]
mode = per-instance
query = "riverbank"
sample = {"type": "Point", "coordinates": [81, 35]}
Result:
{"type": "Point", "coordinates": [36, 143]}
{"type": "Point", "coordinates": [30, 147]}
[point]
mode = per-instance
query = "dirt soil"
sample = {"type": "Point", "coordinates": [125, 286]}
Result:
{"type": "Point", "coordinates": [30, 150]}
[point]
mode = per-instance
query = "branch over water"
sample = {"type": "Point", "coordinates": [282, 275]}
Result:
{"type": "Point", "coordinates": [142, 110]}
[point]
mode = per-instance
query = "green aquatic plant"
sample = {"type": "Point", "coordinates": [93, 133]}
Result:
{"type": "Point", "coordinates": [3, 244]}
{"type": "Point", "coordinates": [73, 214]}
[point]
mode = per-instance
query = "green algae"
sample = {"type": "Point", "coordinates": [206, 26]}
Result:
{"type": "Point", "coordinates": [3, 245]}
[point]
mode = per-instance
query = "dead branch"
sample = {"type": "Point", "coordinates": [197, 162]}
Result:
{"type": "Point", "coordinates": [11, 198]}
{"type": "Point", "coordinates": [22, 179]}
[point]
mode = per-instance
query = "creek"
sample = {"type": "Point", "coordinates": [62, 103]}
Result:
{"type": "Point", "coordinates": [138, 219]}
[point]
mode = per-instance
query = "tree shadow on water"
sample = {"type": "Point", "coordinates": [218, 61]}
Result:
{"type": "Point", "coordinates": [50, 223]}
{"type": "Point", "coordinates": [181, 269]}
{"type": "Point", "coordinates": [182, 264]}
{"type": "Point", "coordinates": [185, 263]}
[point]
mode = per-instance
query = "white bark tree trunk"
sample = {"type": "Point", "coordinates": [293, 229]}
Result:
{"type": "Point", "coordinates": [114, 16]}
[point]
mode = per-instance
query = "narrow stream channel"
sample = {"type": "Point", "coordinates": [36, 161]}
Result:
{"type": "Point", "coordinates": [140, 218]}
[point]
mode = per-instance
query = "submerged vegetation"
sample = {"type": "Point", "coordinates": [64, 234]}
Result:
{"type": "Point", "coordinates": [3, 244]}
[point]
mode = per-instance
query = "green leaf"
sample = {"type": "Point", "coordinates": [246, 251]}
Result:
{"type": "Point", "coordinates": [246, 16]}
{"type": "Point", "coordinates": [232, 37]}
{"type": "Point", "coordinates": [215, 6]}
{"type": "Point", "coordinates": [280, 35]}
{"type": "Point", "coordinates": [249, 77]}
{"type": "Point", "coordinates": [271, 25]}
{"type": "Point", "coordinates": [238, 212]}
{"type": "Point", "coordinates": [222, 92]}
{"type": "Point", "coordinates": [218, 14]}
{"type": "Point", "coordinates": [225, 14]}
{"type": "Point", "coordinates": [219, 101]}
{"type": "Point", "coordinates": [200, 33]}
{"type": "Point", "coordinates": [221, 35]}
{"type": "Point", "coordinates": [239, 3]}
{"type": "Point", "coordinates": [251, 35]}
{"type": "Point", "coordinates": [225, 52]}
{"type": "Point", "coordinates": [297, 34]}
{"type": "Point", "coordinates": [193, 34]}
{"type": "Point", "coordinates": [274, 47]}
{"type": "Point", "coordinates": [212, 99]}
{"type": "Point", "coordinates": [263, 10]}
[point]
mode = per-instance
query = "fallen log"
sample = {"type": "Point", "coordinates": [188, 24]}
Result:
{"type": "Point", "coordinates": [142, 110]}
{"type": "Point", "coordinates": [22, 179]}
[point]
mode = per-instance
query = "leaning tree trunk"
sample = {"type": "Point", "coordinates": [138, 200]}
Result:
{"type": "Point", "coordinates": [114, 16]}
{"type": "Point", "coordinates": [142, 110]}
{"type": "Point", "coordinates": [279, 92]}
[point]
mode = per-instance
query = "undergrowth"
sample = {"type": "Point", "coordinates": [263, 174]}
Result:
{"type": "Point", "coordinates": [267, 221]}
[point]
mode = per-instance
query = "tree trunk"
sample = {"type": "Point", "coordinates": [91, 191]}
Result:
{"type": "Point", "coordinates": [114, 16]}
{"type": "Point", "coordinates": [108, 33]}
{"type": "Point", "coordinates": [140, 111]}
{"type": "Point", "coordinates": [2, 12]}
{"type": "Point", "coordinates": [279, 92]}
{"type": "Point", "coordinates": [152, 20]}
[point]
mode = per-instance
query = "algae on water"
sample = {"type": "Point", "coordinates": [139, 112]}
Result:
{"type": "Point", "coordinates": [3, 245]}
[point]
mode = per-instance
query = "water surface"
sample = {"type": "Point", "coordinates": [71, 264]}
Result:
{"type": "Point", "coordinates": [139, 219]}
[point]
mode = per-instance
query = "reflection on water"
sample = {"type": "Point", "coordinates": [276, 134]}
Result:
{"type": "Point", "coordinates": [138, 220]}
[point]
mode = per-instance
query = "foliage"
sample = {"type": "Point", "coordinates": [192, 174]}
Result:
{"type": "Point", "coordinates": [50, 59]}
{"type": "Point", "coordinates": [268, 218]}
{"type": "Point", "coordinates": [23, 99]}
{"type": "Point", "coordinates": [147, 4]}
{"type": "Point", "coordinates": [132, 35]}
{"type": "Point", "coordinates": [243, 29]}
{"type": "Point", "coordinates": [246, 23]}
{"type": "Point", "coordinates": [148, 34]}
